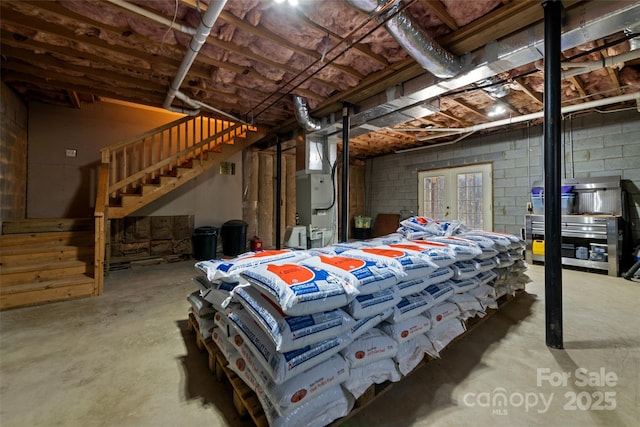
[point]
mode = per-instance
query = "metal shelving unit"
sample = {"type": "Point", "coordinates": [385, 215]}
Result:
{"type": "Point", "coordinates": [581, 230]}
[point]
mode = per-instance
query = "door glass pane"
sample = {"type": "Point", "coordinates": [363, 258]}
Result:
{"type": "Point", "coordinates": [470, 199]}
{"type": "Point", "coordinates": [434, 197]}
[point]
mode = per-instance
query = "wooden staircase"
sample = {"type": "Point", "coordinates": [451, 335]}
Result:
{"type": "Point", "coordinates": [151, 165]}
{"type": "Point", "coordinates": [45, 260]}
{"type": "Point", "coordinates": [56, 259]}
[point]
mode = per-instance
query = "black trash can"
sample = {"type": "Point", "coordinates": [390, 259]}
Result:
{"type": "Point", "coordinates": [234, 237]}
{"type": "Point", "coordinates": [362, 227]}
{"type": "Point", "coordinates": [361, 233]}
{"type": "Point", "coordinates": [205, 240]}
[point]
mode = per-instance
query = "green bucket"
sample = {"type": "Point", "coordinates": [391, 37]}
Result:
{"type": "Point", "coordinates": [362, 221]}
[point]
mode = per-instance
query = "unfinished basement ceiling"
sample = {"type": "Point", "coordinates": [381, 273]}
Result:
{"type": "Point", "coordinates": [260, 53]}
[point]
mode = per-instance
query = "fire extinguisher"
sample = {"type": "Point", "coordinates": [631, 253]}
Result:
{"type": "Point", "coordinates": [256, 244]}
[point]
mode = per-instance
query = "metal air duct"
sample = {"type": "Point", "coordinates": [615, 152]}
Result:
{"type": "Point", "coordinates": [585, 23]}
{"type": "Point", "coordinates": [415, 41]}
{"type": "Point", "coordinates": [301, 110]}
{"type": "Point", "coordinates": [634, 42]}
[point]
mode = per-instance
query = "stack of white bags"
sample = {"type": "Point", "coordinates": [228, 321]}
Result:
{"type": "Point", "coordinates": [310, 331]}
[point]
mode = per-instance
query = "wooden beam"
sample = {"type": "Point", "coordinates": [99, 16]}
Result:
{"type": "Point", "coordinates": [613, 75]}
{"type": "Point", "coordinates": [265, 198]}
{"type": "Point", "coordinates": [612, 71]}
{"type": "Point", "coordinates": [290, 184]}
{"type": "Point", "coordinates": [535, 96]}
{"type": "Point", "coordinates": [262, 32]}
{"type": "Point", "coordinates": [298, 16]}
{"type": "Point", "coordinates": [426, 121]}
{"type": "Point", "coordinates": [73, 98]}
{"type": "Point", "coordinates": [25, 58]}
{"type": "Point", "coordinates": [507, 106]}
{"type": "Point", "coordinates": [441, 12]}
{"type": "Point", "coordinates": [123, 55]}
{"type": "Point", "coordinates": [502, 21]}
{"type": "Point", "coordinates": [250, 197]}
{"type": "Point", "coordinates": [98, 75]}
{"type": "Point", "coordinates": [399, 134]}
{"type": "Point", "coordinates": [577, 83]}
{"type": "Point", "coordinates": [22, 74]}
{"type": "Point", "coordinates": [505, 20]}
{"type": "Point", "coordinates": [454, 118]}
{"type": "Point", "coordinates": [94, 48]}
{"type": "Point", "coordinates": [247, 53]}
{"type": "Point", "coordinates": [469, 107]}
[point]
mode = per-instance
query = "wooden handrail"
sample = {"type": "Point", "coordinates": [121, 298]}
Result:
{"type": "Point", "coordinates": [172, 159]}
{"type": "Point", "coordinates": [142, 159]}
{"type": "Point", "coordinates": [147, 134]}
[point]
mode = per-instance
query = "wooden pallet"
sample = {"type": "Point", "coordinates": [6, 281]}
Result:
{"type": "Point", "coordinates": [193, 326]}
{"type": "Point", "coordinates": [246, 402]}
{"type": "Point", "coordinates": [244, 399]}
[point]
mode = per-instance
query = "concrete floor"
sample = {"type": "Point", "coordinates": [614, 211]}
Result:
{"type": "Point", "coordinates": [127, 359]}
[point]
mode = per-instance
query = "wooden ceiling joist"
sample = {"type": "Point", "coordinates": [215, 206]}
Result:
{"type": "Point", "coordinates": [263, 33]}
{"type": "Point", "coordinates": [469, 107]}
{"type": "Point", "coordinates": [440, 11]}
{"type": "Point", "coordinates": [612, 71]}
{"type": "Point", "coordinates": [74, 98]}
{"type": "Point", "coordinates": [577, 84]}
{"type": "Point", "coordinates": [535, 96]}
{"type": "Point", "coordinates": [335, 37]}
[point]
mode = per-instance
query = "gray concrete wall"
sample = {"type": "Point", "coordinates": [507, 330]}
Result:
{"type": "Point", "coordinates": [13, 155]}
{"type": "Point", "coordinates": [595, 145]}
{"type": "Point", "coordinates": [211, 198]}
{"type": "Point", "coordinates": [60, 186]}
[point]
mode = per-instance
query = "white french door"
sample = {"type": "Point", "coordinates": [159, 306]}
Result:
{"type": "Point", "coordinates": [462, 193]}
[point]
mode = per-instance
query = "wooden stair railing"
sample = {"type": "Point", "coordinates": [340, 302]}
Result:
{"type": "Point", "coordinates": [160, 151]}
{"type": "Point", "coordinates": [137, 171]}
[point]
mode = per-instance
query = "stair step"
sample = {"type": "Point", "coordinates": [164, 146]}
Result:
{"type": "Point", "coordinates": [44, 272]}
{"type": "Point", "coordinates": [166, 180]}
{"type": "Point", "coordinates": [63, 238]}
{"type": "Point", "coordinates": [221, 149]}
{"type": "Point", "coordinates": [149, 189]}
{"type": "Point", "coordinates": [41, 225]}
{"type": "Point", "coordinates": [181, 170]}
{"type": "Point", "coordinates": [25, 256]}
{"type": "Point", "coordinates": [47, 291]}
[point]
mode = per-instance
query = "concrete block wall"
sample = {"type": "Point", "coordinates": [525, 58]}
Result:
{"type": "Point", "coordinates": [594, 145]}
{"type": "Point", "coordinates": [13, 155]}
